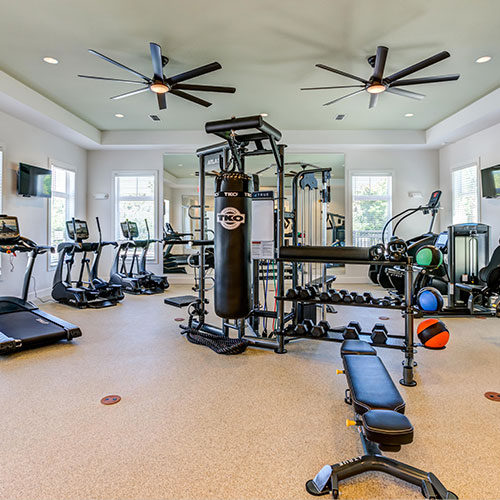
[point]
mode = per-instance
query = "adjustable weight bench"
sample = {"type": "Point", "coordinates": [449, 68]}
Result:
{"type": "Point", "coordinates": [379, 417]}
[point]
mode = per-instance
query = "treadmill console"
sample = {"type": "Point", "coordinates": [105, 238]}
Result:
{"type": "Point", "coordinates": [442, 241]}
{"type": "Point", "coordinates": [129, 230]}
{"type": "Point", "coordinates": [9, 230]}
{"type": "Point", "coordinates": [434, 199]}
{"type": "Point", "coordinates": [81, 228]}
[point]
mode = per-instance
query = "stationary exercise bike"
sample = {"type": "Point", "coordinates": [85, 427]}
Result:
{"type": "Point", "coordinates": [95, 292]}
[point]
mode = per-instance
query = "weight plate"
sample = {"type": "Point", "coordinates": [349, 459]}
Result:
{"type": "Point", "coordinates": [111, 400]}
{"type": "Point", "coordinates": [492, 396]}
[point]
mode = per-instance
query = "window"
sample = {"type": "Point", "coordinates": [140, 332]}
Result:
{"type": "Point", "coordinates": [371, 207]}
{"type": "Point", "coordinates": [465, 189]}
{"type": "Point", "coordinates": [135, 196]}
{"type": "Point", "coordinates": [62, 206]}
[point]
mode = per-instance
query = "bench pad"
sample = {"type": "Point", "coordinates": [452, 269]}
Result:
{"type": "Point", "coordinates": [352, 346]}
{"type": "Point", "coordinates": [371, 385]}
{"type": "Point", "coordinates": [387, 427]}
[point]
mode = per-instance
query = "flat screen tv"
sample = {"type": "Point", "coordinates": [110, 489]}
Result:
{"type": "Point", "coordinates": [34, 181]}
{"type": "Point", "coordinates": [490, 181]}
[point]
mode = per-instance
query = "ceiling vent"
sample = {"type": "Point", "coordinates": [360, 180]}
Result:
{"type": "Point", "coordinates": [340, 117]}
{"type": "Point", "coordinates": [155, 118]}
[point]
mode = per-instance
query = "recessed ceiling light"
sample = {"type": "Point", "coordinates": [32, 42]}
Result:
{"type": "Point", "coordinates": [180, 165]}
{"type": "Point", "coordinates": [409, 115]}
{"type": "Point", "coordinates": [483, 59]}
{"type": "Point", "coordinates": [50, 60]}
{"type": "Point", "coordinates": [119, 115]}
{"type": "Point", "coordinates": [264, 114]}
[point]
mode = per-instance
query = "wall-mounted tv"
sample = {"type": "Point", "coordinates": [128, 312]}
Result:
{"type": "Point", "coordinates": [34, 181]}
{"type": "Point", "coordinates": [490, 181]}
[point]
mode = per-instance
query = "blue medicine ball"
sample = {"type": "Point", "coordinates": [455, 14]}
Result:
{"type": "Point", "coordinates": [430, 299]}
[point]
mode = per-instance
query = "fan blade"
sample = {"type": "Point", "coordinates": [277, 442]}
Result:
{"type": "Point", "coordinates": [110, 79]}
{"type": "Point", "coordinates": [128, 94]}
{"type": "Point", "coordinates": [120, 65]}
{"type": "Point", "coordinates": [405, 93]}
{"type": "Point", "coordinates": [162, 101]}
{"type": "Point", "coordinates": [381, 57]}
{"type": "Point", "coordinates": [343, 97]}
{"type": "Point", "coordinates": [336, 87]}
{"type": "Point", "coordinates": [333, 70]}
{"type": "Point", "coordinates": [426, 79]}
{"type": "Point", "coordinates": [417, 67]}
{"type": "Point", "coordinates": [193, 73]}
{"type": "Point", "coordinates": [157, 61]}
{"type": "Point", "coordinates": [190, 97]}
{"type": "Point", "coordinates": [205, 88]}
{"type": "Point", "coordinates": [373, 101]}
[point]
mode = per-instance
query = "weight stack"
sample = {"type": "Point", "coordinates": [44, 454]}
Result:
{"type": "Point", "coordinates": [232, 290]}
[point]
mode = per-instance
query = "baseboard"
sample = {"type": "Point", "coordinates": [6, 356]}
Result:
{"type": "Point", "coordinates": [43, 294]}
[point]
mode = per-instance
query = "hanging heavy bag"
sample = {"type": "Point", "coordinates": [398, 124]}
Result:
{"type": "Point", "coordinates": [232, 289]}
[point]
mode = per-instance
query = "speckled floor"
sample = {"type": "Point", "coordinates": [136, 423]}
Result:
{"type": "Point", "coordinates": [193, 424]}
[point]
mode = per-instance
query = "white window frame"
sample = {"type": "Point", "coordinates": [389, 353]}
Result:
{"type": "Point", "coordinates": [52, 264]}
{"type": "Point", "coordinates": [350, 197]}
{"type": "Point", "coordinates": [116, 222]}
{"type": "Point", "coordinates": [477, 164]}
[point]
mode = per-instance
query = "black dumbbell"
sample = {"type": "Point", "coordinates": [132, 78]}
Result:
{"type": "Point", "coordinates": [293, 293]}
{"type": "Point", "coordinates": [383, 302]}
{"type": "Point", "coordinates": [368, 297]}
{"type": "Point", "coordinates": [379, 333]}
{"type": "Point", "coordinates": [347, 298]}
{"type": "Point", "coordinates": [325, 296]}
{"type": "Point", "coordinates": [352, 330]}
{"type": "Point", "coordinates": [305, 293]}
{"type": "Point", "coordinates": [335, 297]}
{"type": "Point", "coordinates": [321, 329]}
{"type": "Point", "coordinates": [359, 299]}
{"type": "Point", "coordinates": [304, 329]}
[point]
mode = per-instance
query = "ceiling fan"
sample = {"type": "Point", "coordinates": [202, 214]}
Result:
{"type": "Point", "coordinates": [377, 83]}
{"type": "Point", "coordinates": [159, 84]}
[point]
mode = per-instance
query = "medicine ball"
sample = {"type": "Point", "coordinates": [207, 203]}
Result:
{"type": "Point", "coordinates": [429, 256]}
{"type": "Point", "coordinates": [433, 333]}
{"type": "Point", "coordinates": [430, 299]}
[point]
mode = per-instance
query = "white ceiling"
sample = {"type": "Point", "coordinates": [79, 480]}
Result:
{"type": "Point", "coordinates": [268, 51]}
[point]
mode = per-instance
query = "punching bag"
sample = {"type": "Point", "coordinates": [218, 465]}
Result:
{"type": "Point", "coordinates": [232, 290]}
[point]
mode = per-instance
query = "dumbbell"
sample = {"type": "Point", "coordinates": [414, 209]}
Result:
{"type": "Point", "coordinates": [368, 297]}
{"type": "Point", "coordinates": [359, 299]}
{"type": "Point", "coordinates": [325, 296]}
{"type": "Point", "coordinates": [384, 302]}
{"type": "Point", "coordinates": [335, 296]}
{"type": "Point", "coordinates": [293, 293]}
{"type": "Point", "coordinates": [379, 333]}
{"type": "Point", "coordinates": [321, 329]}
{"type": "Point", "coordinates": [304, 329]}
{"type": "Point", "coordinates": [346, 296]}
{"type": "Point", "coordinates": [352, 330]}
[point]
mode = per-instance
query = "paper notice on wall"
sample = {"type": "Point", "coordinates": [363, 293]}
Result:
{"type": "Point", "coordinates": [263, 225]}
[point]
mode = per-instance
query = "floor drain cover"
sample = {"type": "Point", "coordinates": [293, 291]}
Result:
{"type": "Point", "coordinates": [492, 396]}
{"type": "Point", "coordinates": [111, 400]}
{"type": "Point", "coordinates": [384, 318]}
{"type": "Point", "coordinates": [179, 319]}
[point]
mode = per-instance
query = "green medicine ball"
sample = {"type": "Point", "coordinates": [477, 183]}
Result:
{"type": "Point", "coordinates": [429, 256]}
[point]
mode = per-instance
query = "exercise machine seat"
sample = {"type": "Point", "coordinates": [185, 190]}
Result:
{"type": "Point", "coordinates": [352, 346]}
{"type": "Point", "coordinates": [371, 385]}
{"type": "Point", "coordinates": [387, 427]}
{"type": "Point", "coordinates": [491, 273]}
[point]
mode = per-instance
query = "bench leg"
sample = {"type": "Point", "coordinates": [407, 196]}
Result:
{"type": "Point", "coordinates": [327, 479]}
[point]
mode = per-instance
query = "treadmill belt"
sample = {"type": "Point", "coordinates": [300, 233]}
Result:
{"type": "Point", "coordinates": [181, 301]}
{"type": "Point", "coordinates": [30, 328]}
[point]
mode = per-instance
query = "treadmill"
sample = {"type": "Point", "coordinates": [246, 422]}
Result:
{"type": "Point", "coordinates": [22, 324]}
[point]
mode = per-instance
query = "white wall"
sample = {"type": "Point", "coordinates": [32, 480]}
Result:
{"type": "Point", "coordinates": [101, 165]}
{"type": "Point", "coordinates": [483, 148]}
{"type": "Point", "coordinates": [22, 142]}
{"type": "Point", "coordinates": [415, 170]}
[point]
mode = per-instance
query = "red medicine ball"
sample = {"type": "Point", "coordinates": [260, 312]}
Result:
{"type": "Point", "coordinates": [433, 333]}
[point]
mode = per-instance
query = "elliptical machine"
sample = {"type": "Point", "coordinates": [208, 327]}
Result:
{"type": "Point", "coordinates": [391, 278]}
{"type": "Point", "coordinates": [94, 293]}
{"type": "Point", "coordinates": [135, 278]}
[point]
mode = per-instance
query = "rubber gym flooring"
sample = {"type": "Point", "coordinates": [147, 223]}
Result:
{"type": "Point", "coordinates": [194, 424]}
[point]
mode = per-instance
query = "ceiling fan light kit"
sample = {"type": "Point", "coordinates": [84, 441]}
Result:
{"type": "Point", "coordinates": [378, 83]}
{"type": "Point", "coordinates": [159, 84]}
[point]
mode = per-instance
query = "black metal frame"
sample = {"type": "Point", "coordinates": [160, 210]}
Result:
{"type": "Point", "coordinates": [328, 478]}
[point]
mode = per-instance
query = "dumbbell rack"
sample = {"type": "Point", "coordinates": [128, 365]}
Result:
{"type": "Point", "coordinates": [404, 342]}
